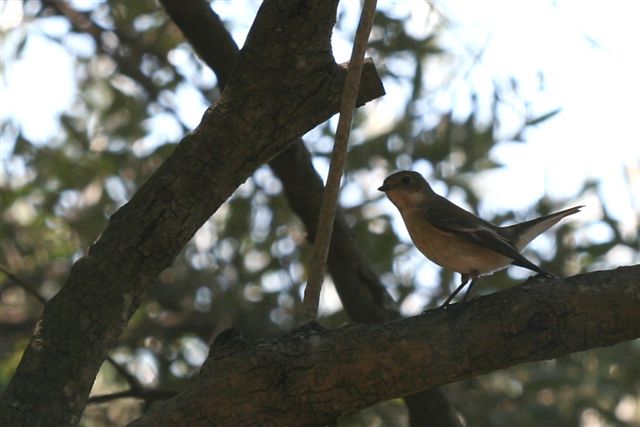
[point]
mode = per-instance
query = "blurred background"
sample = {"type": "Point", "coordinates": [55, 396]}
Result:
{"type": "Point", "coordinates": [510, 109]}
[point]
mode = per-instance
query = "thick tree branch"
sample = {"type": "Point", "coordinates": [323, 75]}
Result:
{"type": "Point", "coordinates": [314, 377]}
{"type": "Point", "coordinates": [284, 83]}
{"type": "Point", "coordinates": [364, 297]}
{"type": "Point", "coordinates": [206, 33]}
{"type": "Point", "coordinates": [362, 294]}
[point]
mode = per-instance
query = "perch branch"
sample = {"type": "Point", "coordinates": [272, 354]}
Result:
{"type": "Point", "coordinates": [313, 377]}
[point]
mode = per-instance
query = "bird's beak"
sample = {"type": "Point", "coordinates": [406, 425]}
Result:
{"type": "Point", "coordinates": [384, 187]}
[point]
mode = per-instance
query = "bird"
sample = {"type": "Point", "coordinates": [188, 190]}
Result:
{"type": "Point", "coordinates": [459, 240]}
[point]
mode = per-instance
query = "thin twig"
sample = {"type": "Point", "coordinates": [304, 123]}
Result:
{"type": "Point", "coordinates": [135, 394]}
{"type": "Point", "coordinates": [24, 285]}
{"type": "Point", "coordinates": [330, 197]}
{"type": "Point", "coordinates": [133, 382]}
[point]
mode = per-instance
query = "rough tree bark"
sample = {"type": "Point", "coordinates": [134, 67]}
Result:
{"type": "Point", "coordinates": [315, 376]}
{"type": "Point", "coordinates": [362, 294]}
{"type": "Point", "coordinates": [285, 83]}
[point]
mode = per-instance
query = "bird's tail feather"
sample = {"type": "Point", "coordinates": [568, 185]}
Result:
{"type": "Point", "coordinates": [525, 232]}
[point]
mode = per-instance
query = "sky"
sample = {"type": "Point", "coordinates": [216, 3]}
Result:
{"type": "Point", "coordinates": [584, 50]}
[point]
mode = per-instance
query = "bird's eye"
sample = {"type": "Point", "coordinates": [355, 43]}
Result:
{"type": "Point", "coordinates": [406, 180]}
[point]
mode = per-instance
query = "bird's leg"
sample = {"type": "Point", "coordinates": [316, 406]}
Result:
{"type": "Point", "coordinates": [465, 279]}
{"type": "Point", "coordinates": [466, 294]}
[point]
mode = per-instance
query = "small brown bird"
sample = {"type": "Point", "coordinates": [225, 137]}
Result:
{"type": "Point", "coordinates": [458, 240]}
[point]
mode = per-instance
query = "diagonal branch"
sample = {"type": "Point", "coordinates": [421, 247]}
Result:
{"type": "Point", "coordinates": [285, 82]}
{"type": "Point", "coordinates": [314, 377]}
{"type": "Point", "coordinates": [364, 297]}
{"type": "Point", "coordinates": [24, 285]}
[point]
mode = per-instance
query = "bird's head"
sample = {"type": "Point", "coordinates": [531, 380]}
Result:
{"type": "Point", "coordinates": [406, 189]}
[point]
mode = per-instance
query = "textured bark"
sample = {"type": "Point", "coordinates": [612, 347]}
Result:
{"type": "Point", "coordinates": [312, 377]}
{"type": "Point", "coordinates": [285, 82]}
{"type": "Point", "coordinates": [363, 296]}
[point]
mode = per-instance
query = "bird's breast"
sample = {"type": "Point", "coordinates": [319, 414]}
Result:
{"type": "Point", "coordinates": [452, 251]}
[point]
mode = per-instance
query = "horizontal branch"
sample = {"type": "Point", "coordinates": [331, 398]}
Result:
{"type": "Point", "coordinates": [313, 377]}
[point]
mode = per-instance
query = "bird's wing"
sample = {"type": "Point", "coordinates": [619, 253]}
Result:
{"type": "Point", "coordinates": [450, 218]}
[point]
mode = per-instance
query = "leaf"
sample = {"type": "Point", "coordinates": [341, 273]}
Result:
{"type": "Point", "coordinates": [542, 118]}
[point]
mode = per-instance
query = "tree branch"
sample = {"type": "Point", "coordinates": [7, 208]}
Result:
{"type": "Point", "coordinates": [206, 33]}
{"type": "Point", "coordinates": [314, 377]}
{"type": "Point", "coordinates": [135, 388]}
{"type": "Point", "coordinates": [363, 296]}
{"type": "Point", "coordinates": [24, 285]}
{"type": "Point", "coordinates": [284, 83]}
{"type": "Point", "coordinates": [147, 395]}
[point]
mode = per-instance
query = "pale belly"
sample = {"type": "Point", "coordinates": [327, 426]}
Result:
{"type": "Point", "coordinates": [455, 253]}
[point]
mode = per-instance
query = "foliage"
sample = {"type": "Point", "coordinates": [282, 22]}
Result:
{"type": "Point", "coordinates": [139, 88]}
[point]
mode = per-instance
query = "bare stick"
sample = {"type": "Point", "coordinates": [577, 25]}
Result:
{"type": "Point", "coordinates": [318, 261]}
{"type": "Point", "coordinates": [148, 395]}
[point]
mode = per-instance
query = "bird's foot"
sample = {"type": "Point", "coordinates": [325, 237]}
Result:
{"type": "Point", "coordinates": [540, 277]}
{"type": "Point", "coordinates": [446, 306]}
